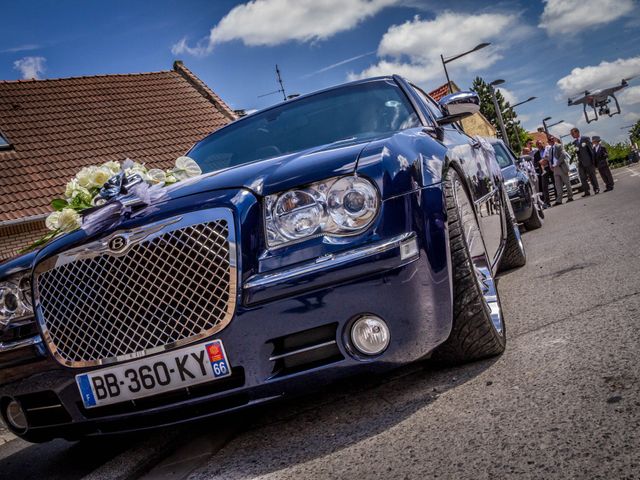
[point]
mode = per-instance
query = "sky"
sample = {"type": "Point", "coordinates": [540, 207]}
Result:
{"type": "Point", "coordinates": [550, 49]}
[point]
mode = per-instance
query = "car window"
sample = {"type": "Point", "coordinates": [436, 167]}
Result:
{"type": "Point", "coordinates": [350, 113]}
{"type": "Point", "coordinates": [502, 156]}
{"type": "Point", "coordinates": [431, 105]}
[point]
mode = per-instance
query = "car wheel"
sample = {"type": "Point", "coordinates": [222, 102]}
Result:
{"type": "Point", "coordinates": [536, 218]}
{"type": "Point", "coordinates": [514, 255]}
{"type": "Point", "coordinates": [478, 330]}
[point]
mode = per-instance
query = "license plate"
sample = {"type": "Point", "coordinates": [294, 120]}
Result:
{"type": "Point", "coordinates": [153, 375]}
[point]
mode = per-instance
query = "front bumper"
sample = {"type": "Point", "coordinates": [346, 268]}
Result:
{"type": "Point", "coordinates": [289, 333]}
{"type": "Point", "coordinates": [574, 178]}
{"type": "Point", "coordinates": [522, 205]}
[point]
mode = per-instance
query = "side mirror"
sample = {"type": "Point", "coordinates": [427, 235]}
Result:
{"type": "Point", "coordinates": [457, 106]}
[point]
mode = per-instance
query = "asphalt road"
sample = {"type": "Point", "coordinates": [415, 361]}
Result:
{"type": "Point", "coordinates": [562, 402]}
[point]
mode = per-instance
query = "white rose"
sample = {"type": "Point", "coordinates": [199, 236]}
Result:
{"type": "Point", "coordinates": [114, 167]}
{"type": "Point", "coordinates": [584, 144]}
{"type": "Point", "coordinates": [51, 221]}
{"type": "Point", "coordinates": [101, 176]}
{"type": "Point", "coordinates": [186, 168]}
{"type": "Point", "coordinates": [155, 175]}
{"type": "Point", "coordinates": [68, 220]}
{"type": "Point", "coordinates": [137, 169]}
{"type": "Point", "coordinates": [74, 189]}
{"type": "Point", "coordinates": [85, 177]}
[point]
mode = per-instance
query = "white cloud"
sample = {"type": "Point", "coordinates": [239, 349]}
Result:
{"type": "Point", "coordinates": [21, 48]}
{"type": "Point", "coordinates": [561, 129]}
{"type": "Point", "coordinates": [413, 48]}
{"type": "Point", "coordinates": [631, 117]}
{"type": "Point", "coordinates": [273, 22]}
{"type": "Point", "coordinates": [630, 96]}
{"type": "Point", "coordinates": [30, 67]}
{"type": "Point", "coordinates": [524, 118]}
{"type": "Point", "coordinates": [508, 95]}
{"type": "Point", "coordinates": [605, 74]}
{"type": "Point", "coordinates": [569, 17]}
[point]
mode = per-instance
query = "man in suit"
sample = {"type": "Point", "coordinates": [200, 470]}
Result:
{"type": "Point", "coordinates": [543, 179]}
{"type": "Point", "coordinates": [557, 159]}
{"type": "Point", "coordinates": [602, 162]}
{"type": "Point", "coordinates": [586, 162]}
{"type": "Point", "coordinates": [541, 167]}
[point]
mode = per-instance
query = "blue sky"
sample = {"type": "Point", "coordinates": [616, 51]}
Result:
{"type": "Point", "coordinates": [549, 49]}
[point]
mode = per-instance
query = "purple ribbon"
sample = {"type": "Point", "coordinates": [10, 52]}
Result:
{"type": "Point", "coordinates": [122, 207]}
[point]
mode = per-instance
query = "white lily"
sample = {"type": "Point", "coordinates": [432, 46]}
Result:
{"type": "Point", "coordinates": [155, 176]}
{"type": "Point", "coordinates": [186, 168]}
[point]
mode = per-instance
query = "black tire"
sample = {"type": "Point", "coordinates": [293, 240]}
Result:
{"type": "Point", "coordinates": [514, 255]}
{"type": "Point", "coordinates": [536, 219]}
{"type": "Point", "coordinates": [473, 335]}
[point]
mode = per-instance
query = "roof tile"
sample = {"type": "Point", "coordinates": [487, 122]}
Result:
{"type": "Point", "coordinates": [58, 126]}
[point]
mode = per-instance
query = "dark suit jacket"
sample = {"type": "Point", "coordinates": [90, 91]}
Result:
{"type": "Point", "coordinates": [602, 156]}
{"type": "Point", "coordinates": [586, 155]}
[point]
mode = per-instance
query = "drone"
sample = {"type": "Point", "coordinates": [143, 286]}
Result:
{"type": "Point", "coordinates": [599, 101]}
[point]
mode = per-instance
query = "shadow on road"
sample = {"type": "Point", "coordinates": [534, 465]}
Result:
{"type": "Point", "coordinates": [284, 433]}
{"type": "Point", "coordinates": [60, 459]}
{"type": "Point", "coordinates": [298, 430]}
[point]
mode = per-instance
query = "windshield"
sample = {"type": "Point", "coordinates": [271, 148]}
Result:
{"type": "Point", "coordinates": [502, 155]}
{"type": "Point", "coordinates": [354, 112]}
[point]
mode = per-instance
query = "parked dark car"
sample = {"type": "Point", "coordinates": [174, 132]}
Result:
{"type": "Point", "coordinates": [350, 230]}
{"type": "Point", "coordinates": [521, 183]}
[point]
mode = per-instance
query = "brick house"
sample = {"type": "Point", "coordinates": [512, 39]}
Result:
{"type": "Point", "coordinates": [50, 129]}
{"type": "Point", "coordinates": [476, 124]}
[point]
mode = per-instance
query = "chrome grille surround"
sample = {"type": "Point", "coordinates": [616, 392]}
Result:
{"type": "Point", "coordinates": [173, 284]}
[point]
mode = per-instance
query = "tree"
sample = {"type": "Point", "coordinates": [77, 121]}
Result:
{"type": "Point", "coordinates": [618, 153]}
{"type": "Point", "coordinates": [509, 116]}
{"type": "Point", "coordinates": [634, 133]}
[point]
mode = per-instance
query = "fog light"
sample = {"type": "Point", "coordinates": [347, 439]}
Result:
{"type": "Point", "coordinates": [408, 248]}
{"type": "Point", "coordinates": [370, 335]}
{"type": "Point", "coordinates": [15, 415]}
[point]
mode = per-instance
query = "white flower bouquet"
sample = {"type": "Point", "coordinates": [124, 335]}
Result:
{"type": "Point", "coordinates": [85, 191]}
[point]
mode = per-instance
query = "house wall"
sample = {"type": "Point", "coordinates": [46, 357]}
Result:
{"type": "Point", "coordinates": [16, 237]}
{"type": "Point", "coordinates": [476, 124]}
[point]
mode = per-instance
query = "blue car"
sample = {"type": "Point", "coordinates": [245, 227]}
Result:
{"type": "Point", "coordinates": [521, 183]}
{"type": "Point", "coordinates": [351, 230]}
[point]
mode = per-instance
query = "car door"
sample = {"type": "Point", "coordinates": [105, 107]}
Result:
{"type": "Point", "coordinates": [477, 159]}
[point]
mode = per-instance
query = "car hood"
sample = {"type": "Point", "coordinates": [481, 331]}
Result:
{"type": "Point", "coordinates": [273, 175]}
{"type": "Point", "coordinates": [509, 172]}
{"type": "Point", "coordinates": [262, 177]}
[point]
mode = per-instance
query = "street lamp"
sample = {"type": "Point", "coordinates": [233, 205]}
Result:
{"type": "Point", "coordinates": [451, 59]}
{"type": "Point", "coordinates": [503, 130]}
{"type": "Point", "coordinates": [515, 127]}
{"type": "Point", "coordinates": [544, 124]}
{"type": "Point", "coordinates": [525, 101]}
{"type": "Point", "coordinates": [554, 124]}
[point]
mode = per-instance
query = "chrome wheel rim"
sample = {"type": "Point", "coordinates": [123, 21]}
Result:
{"type": "Point", "coordinates": [477, 252]}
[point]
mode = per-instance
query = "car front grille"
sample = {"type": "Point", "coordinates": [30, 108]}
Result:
{"type": "Point", "coordinates": [167, 289]}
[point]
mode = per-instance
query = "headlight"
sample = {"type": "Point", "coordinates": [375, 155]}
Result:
{"type": "Point", "coordinates": [15, 299]}
{"type": "Point", "coordinates": [337, 206]}
{"type": "Point", "coordinates": [511, 185]}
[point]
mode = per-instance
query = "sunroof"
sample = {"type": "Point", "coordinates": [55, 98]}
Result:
{"type": "Point", "coordinates": [4, 142]}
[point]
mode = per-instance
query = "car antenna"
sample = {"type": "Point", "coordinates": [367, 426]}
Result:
{"type": "Point", "coordinates": [281, 89]}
